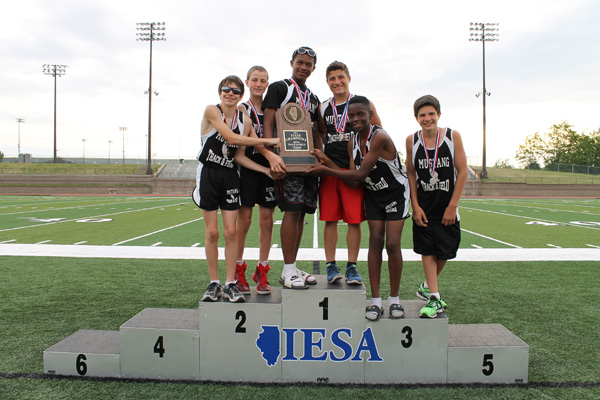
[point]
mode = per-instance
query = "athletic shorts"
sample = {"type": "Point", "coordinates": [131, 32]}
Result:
{"type": "Point", "coordinates": [257, 188]}
{"type": "Point", "coordinates": [387, 205]}
{"type": "Point", "coordinates": [338, 200]}
{"type": "Point", "coordinates": [298, 193]}
{"type": "Point", "coordinates": [217, 188]}
{"type": "Point", "coordinates": [436, 239]}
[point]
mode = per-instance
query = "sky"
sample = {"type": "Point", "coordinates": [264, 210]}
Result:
{"type": "Point", "coordinates": [542, 71]}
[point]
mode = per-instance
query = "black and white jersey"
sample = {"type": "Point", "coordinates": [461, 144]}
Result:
{"type": "Point", "coordinates": [336, 143]}
{"type": "Point", "coordinates": [257, 123]}
{"type": "Point", "coordinates": [386, 174]}
{"type": "Point", "coordinates": [215, 151]}
{"type": "Point", "coordinates": [282, 92]}
{"type": "Point", "coordinates": [436, 174]}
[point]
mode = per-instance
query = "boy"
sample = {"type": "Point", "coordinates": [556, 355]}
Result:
{"type": "Point", "coordinates": [437, 172]}
{"type": "Point", "coordinates": [338, 199]}
{"type": "Point", "coordinates": [223, 128]}
{"type": "Point", "coordinates": [255, 188]}
{"type": "Point", "coordinates": [374, 161]}
{"type": "Point", "coordinates": [297, 195]}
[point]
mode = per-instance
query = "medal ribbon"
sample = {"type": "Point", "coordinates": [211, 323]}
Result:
{"type": "Point", "coordinates": [304, 98]}
{"type": "Point", "coordinates": [437, 141]}
{"type": "Point", "coordinates": [257, 117]}
{"type": "Point", "coordinates": [367, 144]}
{"type": "Point", "coordinates": [340, 122]}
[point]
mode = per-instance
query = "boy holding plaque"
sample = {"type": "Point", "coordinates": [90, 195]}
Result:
{"type": "Point", "coordinates": [375, 162]}
{"type": "Point", "coordinates": [437, 172]}
{"type": "Point", "coordinates": [339, 200]}
{"type": "Point", "coordinates": [223, 129]}
{"type": "Point", "coordinates": [297, 194]}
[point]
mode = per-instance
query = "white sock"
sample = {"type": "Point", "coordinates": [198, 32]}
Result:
{"type": "Point", "coordinates": [376, 301]}
{"type": "Point", "coordinates": [289, 270]}
{"type": "Point", "coordinates": [217, 281]}
{"type": "Point", "coordinates": [240, 262]}
{"type": "Point", "coordinates": [229, 283]}
{"type": "Point", "coordinates": [264, 263]}
{"type": "Point", "coordinates": [393, 300]}
{"type": "Point", "coordinates": [425, 285]}
{"type": "Point", "coordinates": [436, 294]}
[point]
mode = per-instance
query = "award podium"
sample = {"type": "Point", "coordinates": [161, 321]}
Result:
{"type": "Point", "coordinates": [318, 335]}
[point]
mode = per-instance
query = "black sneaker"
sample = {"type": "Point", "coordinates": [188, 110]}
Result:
{"type": "Point", "coordinates": [233, 294]}
{"type": "Point", "coordinates": [213, 292]}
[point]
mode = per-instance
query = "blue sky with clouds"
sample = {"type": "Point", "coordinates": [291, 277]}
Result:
{"type": "Point", "coordinates": [542, 71]}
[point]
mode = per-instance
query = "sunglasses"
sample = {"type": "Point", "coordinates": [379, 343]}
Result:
{"type": "Point", "coordinates": [304, 50]}
{"type": "Point", "coordinates": [227, 89]}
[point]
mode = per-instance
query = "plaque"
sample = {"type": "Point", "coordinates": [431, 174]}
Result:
{"type": "Point", "coordinates": [295, 129]}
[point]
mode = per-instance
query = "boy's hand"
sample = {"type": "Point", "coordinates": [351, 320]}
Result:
{"type": "Point", "coordinates": [320, 156]}
{"type": "Point", "coordinates": [419, 217]}
{"type": "Point", "coordinates": [315, 170]}
{"type": "Point", "coordinates": [449, 217]}
{"type": "Point", "coordinates": [274, 142]}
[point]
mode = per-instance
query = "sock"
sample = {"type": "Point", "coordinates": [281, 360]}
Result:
{"type": "Point", "coordinates": [216, 281]}
{"type": "Point", "coordinates": [240, 262]}
{"type": "Point", "coordinates": [230, 283]}
{"type": "Point", "coordinates": [437, 295]}
{"type": "Point", "coordinates": [393, 300]}
{"type": "Point", "coordinates": [350, 264]}
{"type": "Point", "coordinates": [330, 262]}
{"type": "Point", "coordinates": [289, 269]}
{"type": "Point", "coordinates": [376, 301]}
{"type": "Point", "coordinates": [425, 285]}
{"type": "Point", "coordinates": [264, 263]}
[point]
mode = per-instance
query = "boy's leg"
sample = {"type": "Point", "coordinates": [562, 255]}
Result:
{"type": "Point", "coordinates": [393, 233]}
{"type": "Point", "coordinates": [330, 238]}
{"type": "Point", "coordinates": [265, 221]}
{"type": "Point", "coordinates": [243, 225]}
{"type": "Point", "coordinates": [289, 235]}
{"type": "Point", "coordinates": [211, 236]}
{"type": "Point", "coordinates": [376, 241]}
{"type": "Point", "coordinates": [432, 267]}
{"type": "Point", "coordinates": [353, 237]}
{"type": "Point", "coordinates": [229, 233]}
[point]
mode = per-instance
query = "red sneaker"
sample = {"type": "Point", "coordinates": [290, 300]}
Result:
{"type": "Point", "coordinates": [240, 278]}
{"type": "Point", "coordinates": [260, 277]}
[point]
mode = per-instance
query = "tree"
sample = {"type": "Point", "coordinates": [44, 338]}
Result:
{"type": "Point", "coordinates": [1, 155]}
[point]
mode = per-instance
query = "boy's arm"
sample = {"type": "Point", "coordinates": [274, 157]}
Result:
{"type": "Point", "coordinates": [212, 116]}
{"type": "Point", "coordinates": [244, 161]}
{"type": "Point", "coordinates": [278, 167]}
{"type": "Point", "coordinates": [460, 164]}
{"type": "Point", "coordinates": [418, 214]}
{"type": "Point", "coordinates": [375, 120]}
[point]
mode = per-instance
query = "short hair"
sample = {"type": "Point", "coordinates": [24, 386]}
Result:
{"type": "Point", "coordinates": [232, 79]}
{"type": "Point", "coordinates": [360, 100]}
{"type": "Point", "coordinates": [427, 100]}
{"type": "Point", "coordinates": [258, 68]}
{"type": "Point", "coordinates": [306, 49]}
{"type": "Point", "coordinates": [334, 66]}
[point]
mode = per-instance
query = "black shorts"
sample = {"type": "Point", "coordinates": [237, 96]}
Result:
{"type": "Point", "coordinates": [298, 193]}
{"type": "Point", "coordinates": [217, 188]}
{"type": "Point", "coordinates": [257, 188]}
{"type": "Point", "coordinates": [387, 205]}
{"type": "Point", "coordinates": [436, 239]}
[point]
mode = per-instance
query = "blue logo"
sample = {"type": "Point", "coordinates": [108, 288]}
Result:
{"type": "Point", "coordinates": [269, 344]}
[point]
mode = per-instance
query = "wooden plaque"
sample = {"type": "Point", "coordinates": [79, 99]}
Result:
{"type": "Point", "coordinates": [295, 129]}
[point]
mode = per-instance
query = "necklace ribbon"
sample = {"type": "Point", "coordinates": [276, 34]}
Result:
{"type": "Point", "coordinates": [431, 165]}
{"type": "Point", "coordinates": [304, 98]}
{"type": "Point", "coordinates": [257, 117]}
{"type": "Point", "coordinates": [340, 121]}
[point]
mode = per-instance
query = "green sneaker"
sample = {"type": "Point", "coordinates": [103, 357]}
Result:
{"type": "Point", "coordinates": [423, 292]}
{"type": "Point", "coordinates": [432, 309]}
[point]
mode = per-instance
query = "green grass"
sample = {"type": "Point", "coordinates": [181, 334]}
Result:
{"type": "Point", "coordinates": [73, 169]}
{"type": "Point", "coordinates": [46, 299]}
{"type": "Point", "coordinates": [533, 176]}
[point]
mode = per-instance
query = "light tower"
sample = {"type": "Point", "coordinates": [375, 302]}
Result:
{"type": "Point", "coordinates": [123, 129]}
{"type": "Point", "coordinates": [484, 32]}
{"type": "Point", "coordinates": [55, 70]}
{"type": "Point", "coordinates": [19, 121]}
{"type": "Point", "coordinates": [151, 32]}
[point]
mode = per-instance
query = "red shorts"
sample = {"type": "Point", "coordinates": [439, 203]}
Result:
{"type": "Point", "coordinates": [340, 201]}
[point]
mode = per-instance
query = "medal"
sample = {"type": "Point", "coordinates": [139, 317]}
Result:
{"type": "Point", "coordinates": [431, 163]}
{"type": "Point", "coordinates": [260, 134]}
{"type": "Point", "coordinates": [304, 98]}
{"type": "Point", "coordinates": [340, 121]}
{"type": "Point", "coordinates": [434, 179]}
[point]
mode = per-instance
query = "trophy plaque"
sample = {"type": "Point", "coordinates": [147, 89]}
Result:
{"type": "Point", "coordinates": [295, 129]}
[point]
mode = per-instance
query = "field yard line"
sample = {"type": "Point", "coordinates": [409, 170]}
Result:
{"type": "Point", "coordinates": [67, 208]}
{"type": "Point", "coordinates": [531, 218]}
{"type": "Point", "coordinates": [75, 219]}
{"type": "Point", "coordinates": [307, 254]}
{"type": "Point", "coordinates": [158, 231]}
{"type": "Point", "coordinates": [487, 237]}
{"type": "Point", "coordinates": [538, 207]}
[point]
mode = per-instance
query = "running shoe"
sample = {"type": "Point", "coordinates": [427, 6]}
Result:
{"type": "Point", "coordinates": [232, 293]}
{"type": "Point", "coordinates": [333, 273]}
{"type": "Point", "coordinates": [213, 292]}
{"type": "Point", "coordinates": [240, 278]}
{"type": "Point", "coordinates": [352, 275]}
{"type": "Point", "coordinates": [432, 309]}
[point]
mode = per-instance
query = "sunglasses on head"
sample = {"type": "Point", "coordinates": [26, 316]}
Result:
{"type": "Point", "coordinates": [227, 89]}
{"type": "Point", "coordinates": [304, 50]}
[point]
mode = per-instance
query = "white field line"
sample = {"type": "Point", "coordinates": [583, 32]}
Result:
{"type": "Point", "coordinates": [490, 238]}
{"type": "Point", "coordinates": [75, 219]}
{"type": "Point", "coordinates": [65, 208]}
{"type": "Point", "coordinates": [197, 253]}
{"type": "Point", "coordinates": [594, 246]}
{"type": "Point", "coordinates": [553, 246]}
{"type": "Point", "coordinates": [544, 206]}
{"type": "Point", "coordinates": [531, 218]}
{"type": "Point", "coordinates": [158, 231]}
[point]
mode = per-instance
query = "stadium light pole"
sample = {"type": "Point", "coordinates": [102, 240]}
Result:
{"type": "Point", "coordinates": [150, 32]}
{"type": "Point", "coordinates": [484, 32]}
{"type": "Point", "coordinates": [109, 143]}
{"type": "Point", "coordinates": [84, 140]}
{"type": "Point", "coordinates": [55, 70]}
{"type": "Point", "coordinates": [123, 129]}
{"type": "Point", "coordinates": [19, 121]}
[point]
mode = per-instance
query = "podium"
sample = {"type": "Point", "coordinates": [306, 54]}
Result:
{"type": "Point", "coordinates": [318, 335]}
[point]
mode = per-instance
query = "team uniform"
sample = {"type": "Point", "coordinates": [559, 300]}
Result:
{"type": "Point", "coordinates": [337, 199]}
{"type": "Point", "coordinates": [295, 193]}
{"type": "Point", "coordinates": [387, 193]}
{"type": "Point", "coordinates": [436, 177]}
{"type": "Point", "coordinates": [218, 179]}
{"type": "Point", "coordinates": [256, 187]}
